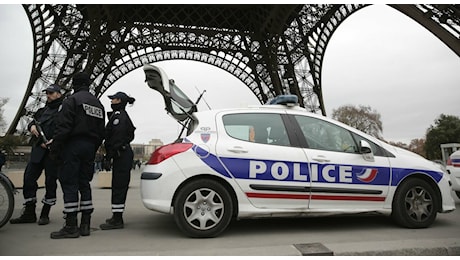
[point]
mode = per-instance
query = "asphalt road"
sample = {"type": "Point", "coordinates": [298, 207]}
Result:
{"type": "Point", "coordinates": [148, 233]}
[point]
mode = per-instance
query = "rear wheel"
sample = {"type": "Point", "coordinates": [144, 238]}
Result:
{"type": "Point", "coordinates": [203, 208]}
{"type": "Point", "coordinates": [415, 204]}
{"type": "Point", "coordinates": [6, 202]}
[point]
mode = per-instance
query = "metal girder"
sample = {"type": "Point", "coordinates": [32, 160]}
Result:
{"type": "Point", "coordinates": [442, 20]}
{"type": "Point", "coordinates": [273, 49]}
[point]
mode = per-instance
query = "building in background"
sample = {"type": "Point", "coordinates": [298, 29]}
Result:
{"type": "Point", "coordinates": [143, 151]}
{"type": "Point", "coordinates": [21, 154]}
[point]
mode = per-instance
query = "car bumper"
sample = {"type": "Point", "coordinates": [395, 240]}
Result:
{"type": "Point", "coordinates": [454, 177]}
{"type": "Point", "coordinates": [158, 185]}
{"type": "Point", "coordinates": [448, 203]}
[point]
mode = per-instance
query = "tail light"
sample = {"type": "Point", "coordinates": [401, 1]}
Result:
{"type": "Point", "coordinates": [453, 162]}
{"type": "Point", "coordinates": [166, 151]}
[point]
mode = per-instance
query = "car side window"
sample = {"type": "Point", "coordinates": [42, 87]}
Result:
{"type": "Point", "coordinates": [323, 135]}
{"type": "Point", "coordinates": [257, 127]}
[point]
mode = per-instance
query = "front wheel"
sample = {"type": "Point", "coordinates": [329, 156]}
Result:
{"type": "Point", "coordinates": [6, 202]}
{"type": "Point", "coordinates": [415, 204]}
{"type": "Point", "coordinates": [203, 208]}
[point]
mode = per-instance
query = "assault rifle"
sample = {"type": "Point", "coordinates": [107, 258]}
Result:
{"type": "Point", "coordinates": [40, 131]}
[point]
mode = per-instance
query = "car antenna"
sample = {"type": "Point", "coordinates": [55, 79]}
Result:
{"type": "Point", "coordinates": [201, 95]}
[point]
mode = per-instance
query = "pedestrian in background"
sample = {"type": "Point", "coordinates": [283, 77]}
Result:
{"type": "Point", "coordinates": [2, 160]}
{"type": "Point", "coordinates": [79, 133]}
{"type": "Point", "coordinates": [119, 132]}
{"type": "Point", "coordinates": [98, 161]}
{"type": "Point", "coordinates": [42, 129]}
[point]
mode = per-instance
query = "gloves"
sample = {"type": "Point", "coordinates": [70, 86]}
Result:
{"type": "Point", "coordinates": [107, 163]}
{"type": "Point", "coordinates": [115, 153]}
{"type": "Point", "coordinates": [55, 153]}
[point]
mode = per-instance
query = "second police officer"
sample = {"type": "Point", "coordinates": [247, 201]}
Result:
{"type": "Point", "coordinates": [78, 134]}
{"type": "Point", "coordinates": [119, 133]}
{"type": "Point", "coordinates": [42, 129]}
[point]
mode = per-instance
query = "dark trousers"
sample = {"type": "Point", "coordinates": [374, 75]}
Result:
{"type": "Point", "coordinates": [32, 173]}
{"type": "Point", "coordinates": [76, 174]}
{"type": "Point", "coordinates": [121, 176]}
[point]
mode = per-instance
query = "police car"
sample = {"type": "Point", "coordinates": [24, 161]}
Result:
{"type": "Point", "coordinates": [280, 160]}
{"type": "Point", "coordinates": [453, 167]}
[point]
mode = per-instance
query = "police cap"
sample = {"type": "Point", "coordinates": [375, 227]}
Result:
{"type": "Point", "coordinates": [53, 88]}
{"type": "Point", "coordinates": [120, 95]}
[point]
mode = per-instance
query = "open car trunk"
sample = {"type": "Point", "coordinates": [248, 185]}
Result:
{"type": "Point", "coordinates": [177, 104]}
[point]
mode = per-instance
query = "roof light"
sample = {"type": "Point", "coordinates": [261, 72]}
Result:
{"type": "Point", "coordinates": [284, 100]}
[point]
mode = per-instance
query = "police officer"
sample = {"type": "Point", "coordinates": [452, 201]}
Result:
{"type": "Point", "coordinates": [78, 134]}
{"type": "Point", "coordinates": [44, 119]}
{"type": "Point", "coordinates": [2, 160]}
{"type": "Point", "coordinates": [119, 133]}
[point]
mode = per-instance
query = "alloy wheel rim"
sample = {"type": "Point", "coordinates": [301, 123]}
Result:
{"type": "Point", "coordinates": [203, 209]}
{"type": "Point", "coordinates": [419, 204]}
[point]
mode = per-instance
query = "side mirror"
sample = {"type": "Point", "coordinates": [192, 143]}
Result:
{"type": "Point", "coordinates": [366, 150]}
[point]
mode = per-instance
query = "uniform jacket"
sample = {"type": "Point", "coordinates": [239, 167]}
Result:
{"type": "Point", "coordinates": [119, 132]}
{"type": "Point", "coordinates": [82, 117]}
{"type": "Point", "coordinates": [44, 116]}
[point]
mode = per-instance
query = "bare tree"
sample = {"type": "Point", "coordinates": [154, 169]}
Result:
{"type": "Point", "coordinates": [416, 145]}
{"type": "Point", "coordinates": [363, 118]}
{"type": "Point", "coordinates": [3, 101]}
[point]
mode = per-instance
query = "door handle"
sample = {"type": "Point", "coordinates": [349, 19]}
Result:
{"type": "Point", "coordinates": [237, 149]}
{"type": "Point", "coordinates": [320, 159]}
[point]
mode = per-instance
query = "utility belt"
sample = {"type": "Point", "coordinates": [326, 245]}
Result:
{"type": "Point", "coordinates": [116, 153]}
{"type": "Point", "coordinates": [83, 138]}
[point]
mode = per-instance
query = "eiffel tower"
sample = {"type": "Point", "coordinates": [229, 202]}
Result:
{"type": "Point", "coordinates": [273, 49]}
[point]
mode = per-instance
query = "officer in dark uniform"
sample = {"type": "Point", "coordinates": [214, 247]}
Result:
{"type": "Point", "coordinates": [79, 133]}
{"type": "Point", "coordinates": [2, 160]}
{"type": "Point", "coordinates": [119, 132]}
{"type": "Point", "coordinates": [44, 120]}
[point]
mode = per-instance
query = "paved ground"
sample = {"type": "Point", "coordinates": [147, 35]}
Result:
{"type": "Point", "coordinates": [150, 233]}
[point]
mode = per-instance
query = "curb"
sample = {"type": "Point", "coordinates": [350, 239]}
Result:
{"type": "Point", "coordinates": [412, 247]}
{"type": "Point", "coordinates": [435, 251]}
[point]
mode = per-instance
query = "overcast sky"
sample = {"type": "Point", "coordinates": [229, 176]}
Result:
{"type": "Point", "coordinates": [377, 57]}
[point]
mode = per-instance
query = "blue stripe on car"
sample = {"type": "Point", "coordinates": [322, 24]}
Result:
{"type": "Point", "coordinates": [240, 169]}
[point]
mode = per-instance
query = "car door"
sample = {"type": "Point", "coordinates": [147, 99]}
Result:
{"type": "Point", "coordinates": [263, 158]}
{"type": "Point", "coordinates": [341, 176]}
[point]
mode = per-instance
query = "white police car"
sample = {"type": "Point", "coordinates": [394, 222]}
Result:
{"type": "Point", "coordinates": [453, 167]}
{"type": "Point", "coordinates": [279, 160]}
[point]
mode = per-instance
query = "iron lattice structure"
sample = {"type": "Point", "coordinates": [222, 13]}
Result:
{"type": "Point", "coordinates": [272, 49]}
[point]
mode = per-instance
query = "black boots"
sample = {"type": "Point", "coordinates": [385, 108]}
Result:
{"type": "Point", "coordinates": [85, 224]}
{"type": "Point", "coordinates": [44, 215]}
{"type": "Point", "coordinates": [70, 230]}
{"type": "Point", "coordinates": [115, 222]}
{"type": "Point", "coordinates": [27, 216]}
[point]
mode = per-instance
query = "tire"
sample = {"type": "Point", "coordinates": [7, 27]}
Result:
{"type": "Point", "coordinates": [458, 194]}
{"type": "Point", "coordinates": [6, 202]}
{"type": "Point", "coordinates": [203, 208]}
{"type": "Point", "coordinates": [415, 204]}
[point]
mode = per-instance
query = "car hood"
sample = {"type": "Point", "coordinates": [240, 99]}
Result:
{"type": "Point", "coordinates": [404, 152]}
{"type": "Point", "coordinates": [421, 161]}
